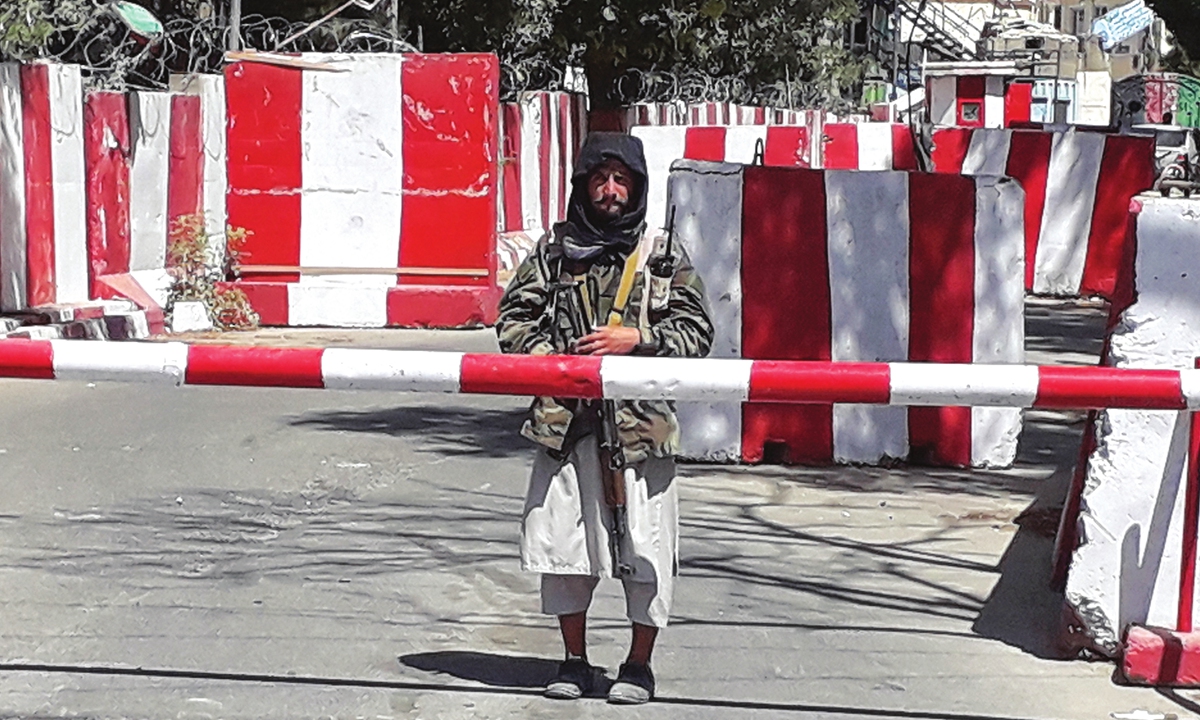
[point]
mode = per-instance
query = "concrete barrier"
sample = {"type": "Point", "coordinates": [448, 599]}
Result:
{"type": "Point", "coordinates": [701, 114]}
{"type": "Point", "coordinates": [166, 181]}
{"type": "Point", "coordinates": [210, 89]}
{"type": "Point", "coordinates": [798, 270]}
{"type": "Point", "coordinates": [1077, 185]}
{"type": "Point", "coordinates": [541, 135]}
{"type": "Point", "coordinates": [43, 206]}
{"type": "Point", "coordinates": [1126, 568]}
{"type": "Point", "coordinates": [843, 146]}
{"type": "Point", "coordinates": [91, 186]}
{"type": "Point", "coordinates": [385, 164]}
{"type": "Point", "coordinates": [868, 146]}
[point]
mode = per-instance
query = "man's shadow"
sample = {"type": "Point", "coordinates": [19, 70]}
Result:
{"type": "Point", "coordinates": [507, 671]}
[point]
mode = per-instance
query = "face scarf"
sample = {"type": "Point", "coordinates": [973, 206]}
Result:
{"type": "Point", "coordinates": [585, 234]}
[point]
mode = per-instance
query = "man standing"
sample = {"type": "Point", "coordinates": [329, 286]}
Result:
{"type": "Point", "coordinates": [602, 500]}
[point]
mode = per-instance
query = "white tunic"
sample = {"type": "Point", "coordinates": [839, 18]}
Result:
{"type": "Point", "coordinates": [565, 528]}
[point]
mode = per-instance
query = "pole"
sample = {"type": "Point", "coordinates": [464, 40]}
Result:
{"type": "Point", "coordinates": [1191, 521]}
{"type": "Point", "coordinates": [395, 18]}
{"type": "Point", "coordinates": [235, 25]}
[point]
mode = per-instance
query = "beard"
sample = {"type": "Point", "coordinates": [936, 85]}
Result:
{"type": "Point", "coordinates": [609, 206]}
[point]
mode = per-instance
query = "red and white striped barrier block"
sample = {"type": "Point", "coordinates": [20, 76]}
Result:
{"type": "Point", "coordinates": [541, 136]}
{"type": "Point", "coordinates": [612, 377]}
{"type": "Point", "coordinates": [108, 162]}
{"type": "Point", "coordinates": [210, 89]}
{"type": "Point", "coordinates": [1127, 567]}
{"type": "Point", "coordinates": [43, 255]}
{"type": "Point", "coordinates": [703, 114]}
{"type": "Point", "coordinates": [842, 146]}
{"type": "Point", "coordinates": [380, 162]}
{"type": "Point", "coordinates": [1077, 186]}
{"type": "Point", "coordinates": [868, 146]}
{"type": "Point", "coordinates": [848, 266]}
{"type": "Point", "coordinates": [788, 146]}
{"type": "Point", "coordinates": [166, 181]}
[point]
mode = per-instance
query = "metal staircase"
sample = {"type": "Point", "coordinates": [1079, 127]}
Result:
{"type": "Point", "coordinates": [946, 32]}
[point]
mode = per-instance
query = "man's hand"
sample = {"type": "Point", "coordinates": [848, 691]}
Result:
{"type": "Point", "coordinates": [609, 340]}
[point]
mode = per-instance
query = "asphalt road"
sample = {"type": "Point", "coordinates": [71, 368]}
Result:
{"type": "Point", "coordinates": [259, 553]}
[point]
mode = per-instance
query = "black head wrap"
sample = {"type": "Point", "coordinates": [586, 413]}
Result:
{"type": "Point", "coordinates": [586, 235]}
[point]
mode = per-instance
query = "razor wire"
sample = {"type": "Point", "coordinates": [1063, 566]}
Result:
{"type": "Point", "coordinates": [112, 57]}
{"type": "Point", "coordinates": [690, 86]}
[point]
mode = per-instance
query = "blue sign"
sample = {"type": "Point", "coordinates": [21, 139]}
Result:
{"type": "Point", "coordinates": [1122, 23]}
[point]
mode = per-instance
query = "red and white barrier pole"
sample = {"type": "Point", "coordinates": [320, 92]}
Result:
{"type": "Point", "coordinates": [1171, 658]}
{"type": "Point", "coordinates": [710, 380]}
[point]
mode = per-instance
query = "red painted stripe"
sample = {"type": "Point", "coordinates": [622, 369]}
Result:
{"type": "Point", "coordinates": [785, 267]}
{"type": "Point", "coordinates": [841, 146]}
{"type": "Point", "coordinates": [511, 161]}
{"type": "Point", "coordinates": [941, 305]}
{"type": "Point", "coordinates": [1018, 102]}
{"type": "Point", "coordinates": [441, 307]}
{"type": "Point", "coordinates": [1191, 522]}
{"type": "Point", "coordinates": [819, 383]}
{"type": "Point", "coordinates": [185, 179]}
{"type": "Point", "coordinates": [786, 146]}
{"type": "Point", "coordinates": [1029, 164]}
{"type": "Point", "coordinates": [107, 152]}
{"type": "Point", "coordinates": [904, 152]}
{"type": "Point", "coordinates": [39, 185]}
{"type": "Point", "coordinates": [555, 375]}
{"type": "Point", "coordinates": [1126, 169]}
{"type": "Point", "coordinates": [449, 217]}
{"type": "Point", "coordinates": [254, 366]}
{"type": "Point", "coordinates": [30, 359]}
{"type": "Point", "coordinates": [704, 143]}
{"type": "Point", "coordinates": [760, 116]}
{"type": "Point", "coordinates": [545, 148]}
{"type": "Point", "coordinates": [1099, 388]}
{"type": "Point", "coordinates": [263, 104]}
{"type": "Point", "coordinates": [950, 147]}
{"type": "Point", "coordinates": [269, 300]}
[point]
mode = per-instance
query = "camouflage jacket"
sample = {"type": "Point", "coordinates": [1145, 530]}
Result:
{"type": "Point", "coordinates": [682, 329]}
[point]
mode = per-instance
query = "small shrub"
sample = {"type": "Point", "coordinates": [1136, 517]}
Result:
{"type": "Point", "coordinates": [197, 268]}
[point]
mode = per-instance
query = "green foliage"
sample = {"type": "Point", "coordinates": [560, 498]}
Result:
{"type": "Point", "coordinates": [27, 27]}
{"type": "Point", "coordinates": [778, 51]}
{"type": "Point", "coordinates": [196, 273]}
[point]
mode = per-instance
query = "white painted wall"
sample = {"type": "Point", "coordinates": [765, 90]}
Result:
{"type": "Point", "coordinates": [943, 100]}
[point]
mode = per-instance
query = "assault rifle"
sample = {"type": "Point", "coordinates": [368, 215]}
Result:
{"type": "Point", "coordinates": [567, 297]}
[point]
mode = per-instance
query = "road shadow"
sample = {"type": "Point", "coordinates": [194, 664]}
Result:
{"type": "Point", "coordinates": [509, 671]}
{"type": "Point", "coordinates": [455, 431]}
{"type": "Point", "coordinates": [1023, 610]}
{"type": "Point", "coordinates": [1069, 331]}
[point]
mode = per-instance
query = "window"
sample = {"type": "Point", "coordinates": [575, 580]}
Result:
{"type": "Point", "coordinates": [970, 112]}
{"type": "Point", "coordinates": [1058, 17]}
{"type": "Point", "coordinates": [1078, 21]}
